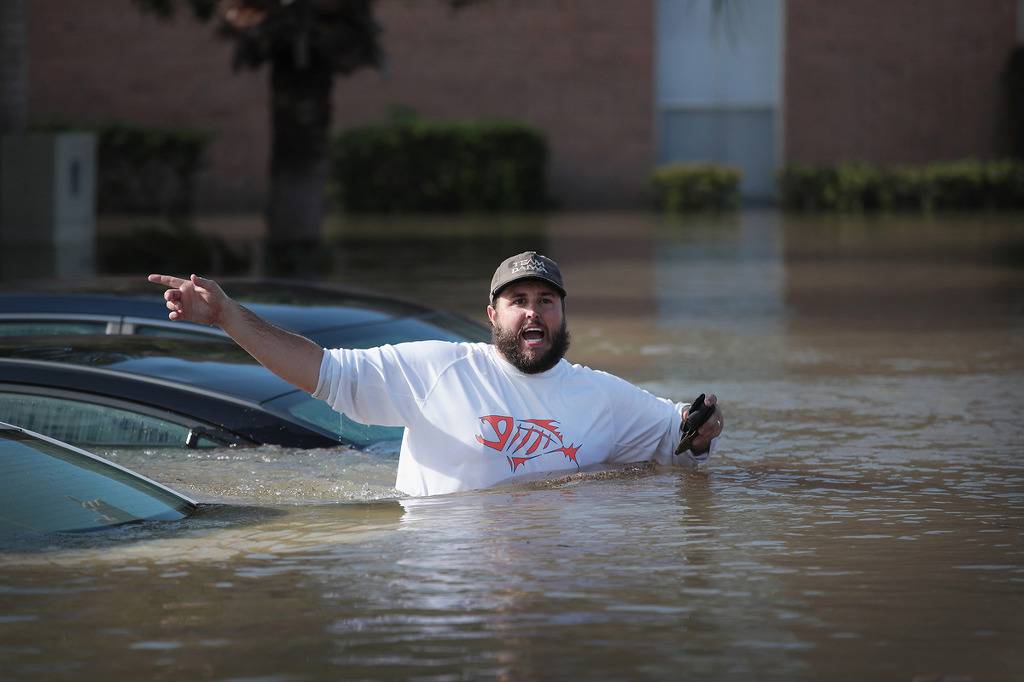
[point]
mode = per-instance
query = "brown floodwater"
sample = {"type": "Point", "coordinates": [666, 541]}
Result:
{"type": "Point", "coordinates": [863, 518]}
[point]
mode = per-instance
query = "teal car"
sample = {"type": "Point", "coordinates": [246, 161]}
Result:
{"type": "Point", "coordinates": [47, 486]}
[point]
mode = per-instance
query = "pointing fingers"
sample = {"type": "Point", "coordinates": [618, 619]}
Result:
{"type": "Point", "coordinates": [166, 280]}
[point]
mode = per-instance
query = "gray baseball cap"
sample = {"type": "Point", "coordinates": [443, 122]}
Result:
{"type": "Point", "coordinates": [527, 265]}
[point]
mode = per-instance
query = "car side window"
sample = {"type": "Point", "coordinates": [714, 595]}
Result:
{"type": "Point", "coordinates": [91, 425]}
{"type": "Point", "coordinates": [48, 327]}
{"type": "Point", "coordinates": [398, 331]}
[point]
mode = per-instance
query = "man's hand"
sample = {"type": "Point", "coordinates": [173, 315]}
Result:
{"type": "Point", "coordinates": [294, 358]}
{"type": "Point", "coordinates": [712, 428]}
{"type": "Point", "coordinates": [195, 299]}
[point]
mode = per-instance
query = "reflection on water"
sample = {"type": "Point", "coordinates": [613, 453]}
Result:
{"type": "Point", "coordinates": [269, 473]}
{"type": "Point", "coordinates": [863, 520]}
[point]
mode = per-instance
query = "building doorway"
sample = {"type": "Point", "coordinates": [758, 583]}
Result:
{"type": "Point", "coordinates": [718, 76]}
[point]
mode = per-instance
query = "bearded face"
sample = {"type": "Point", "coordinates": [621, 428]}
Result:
{"type": "Point", "coordinates": [528, 325]}
{"type": "Point", "coordinates": [525, 359]}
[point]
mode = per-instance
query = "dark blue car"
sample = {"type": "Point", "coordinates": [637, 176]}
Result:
{"type": "Point", "coordinates": [334, 317]}
{"type": "Point", "coordinates": [108, 369]}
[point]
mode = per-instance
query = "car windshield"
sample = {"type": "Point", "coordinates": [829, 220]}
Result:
{"type": "Point", "coordinates": [48, 488]}
{"type": "Point", "coordinates": [434, 326]}
{"type": "Point", "coordinates": [321, 417]}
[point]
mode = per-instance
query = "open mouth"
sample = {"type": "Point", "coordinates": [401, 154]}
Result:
{"type": "Point", "coordinates": [533, 337]}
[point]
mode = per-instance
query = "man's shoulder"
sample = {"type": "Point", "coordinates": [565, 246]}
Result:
{"type": "Point", "coordinates": [438, 352]}
{"type": "Point", "coordinates": [613, 387]}
{"type": "Point", "coordinates": [585, 373]}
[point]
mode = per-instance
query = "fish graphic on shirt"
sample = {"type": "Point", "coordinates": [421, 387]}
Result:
{"type": "Point", "coordinates": [521, 440]}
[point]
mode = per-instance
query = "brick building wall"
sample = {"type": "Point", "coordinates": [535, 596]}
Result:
{"type": "Point", "coordinates": [895, 82]}
{"type": "Point", "coordinates": [110, 62]}
{"type": "Point", "coordinates": [581, 71]}
{"type": "Point", "coordinates": [881, 80]}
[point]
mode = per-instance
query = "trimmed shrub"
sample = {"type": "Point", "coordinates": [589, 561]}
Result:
{"type": "Point", "coordinates": [806, 188]}
{"type": "Point", "coordinates": [1005, 182]}
{"type": "Point", "coordinates": [144, 170]}
{"type": "Point", "coordinates": [696, 186]}
{"type": "Point", "coordinates": [906, 188]}
{"type": "Point", "coordinates": [965, 184]}
{"type": "Point", "coordinates": [419, 166]}
{"type": "Point", "coordinates": [845, 187]}
{"type": "Point", "coordinates": [149, 170]}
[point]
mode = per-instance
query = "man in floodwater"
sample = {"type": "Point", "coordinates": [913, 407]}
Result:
{"type": "Point", "coordinates": [476, 414]}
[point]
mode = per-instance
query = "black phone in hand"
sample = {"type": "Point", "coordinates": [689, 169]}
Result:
{"type": "Point", "coordinates": [696, 416]}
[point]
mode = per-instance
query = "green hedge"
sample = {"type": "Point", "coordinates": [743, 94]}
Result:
{"type": "Point", "coordinates": [419, 166]}
{"type": "Point", "coordinates": [142, 169]}
{"type": "Point", "coordinates": [696, 186]}
{"type": "Point", "coordinates": [148, 170]}
{"type": "Point", "coordinates": [966, 184]}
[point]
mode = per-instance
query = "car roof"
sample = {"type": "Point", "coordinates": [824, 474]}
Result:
{"type": "Point", "coordinates": [323, 312]}
{"type": "Point", "coordinates": [303, 306]}
{"type": "Point", "coordinates": [209, 365]}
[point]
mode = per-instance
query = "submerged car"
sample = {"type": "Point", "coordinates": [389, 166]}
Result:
{"type": "Point", "coordinates": [100, 365]}
{"type": "Point", "coordinates": [334, 317]}
{"type": "Point", "coordinates": [47, 486]}
{"type": "Point", "coordinates": [114, 391]}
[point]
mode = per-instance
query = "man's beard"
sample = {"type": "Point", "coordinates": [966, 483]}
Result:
{"type": "Point", "coordinates": [507, 343]}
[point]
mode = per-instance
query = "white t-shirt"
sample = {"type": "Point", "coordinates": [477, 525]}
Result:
{"type": "Point", "coordinates": [473, 420]}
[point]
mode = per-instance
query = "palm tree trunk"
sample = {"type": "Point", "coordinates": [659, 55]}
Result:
{"type": "Point", "coordinates": [301, 114]}
{"type": "Point", "coordinates": [13, 76]}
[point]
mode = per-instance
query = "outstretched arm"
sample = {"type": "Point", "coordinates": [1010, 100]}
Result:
{"type": "Point", "coordinates": [294, 358]}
